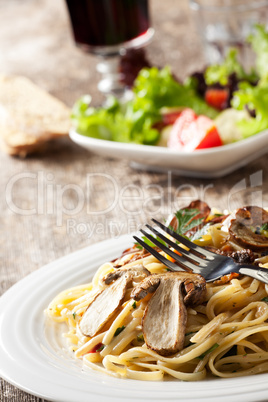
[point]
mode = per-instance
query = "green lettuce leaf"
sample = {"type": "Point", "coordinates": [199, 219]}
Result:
{"type": "Point", "coordinates": [134, 120]}
{"type": "Point", "coordinates": [219, 73]}
{"type": "Point", "coordinates": [259, 43]}
{"type": "Point", "coordinates": [155, 89]}
{"type": "Point", "coordinates": [112, 123]}
{"type": "Point", "coordinates": [255, 99]}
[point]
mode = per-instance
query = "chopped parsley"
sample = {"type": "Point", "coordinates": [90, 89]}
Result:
{"type": "Point", "coordinates": [264, 227]}
{"type": "Point", "coordinates": [74, 315]}
{"type": "Point", "coordinates": [119, 330]}
{"type": "Point", "coordinates": [265, 299]}
{"type": "Point", "coordinates": [100, 348]}
{"type": "Point", "coordinates": [140, 338]}
{"type": "Point", "coordinates": [134, 305]}
{"type": "Point", "coordinates": [201, 357]}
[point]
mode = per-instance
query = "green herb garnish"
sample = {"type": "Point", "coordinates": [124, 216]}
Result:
{"type": "Point", "coordinates": [264, 229]}
{"type": "Point", "coordinates": [149, 243]}
{"type": "Point", "coordinates": [201, 357]}
{"type": "Point", "coordinates": [100, 348]}
{"type": "Point", "coordinates": [119, 330]}
{"type": "Point", "coordinates": [140, 338]}
{"type": "Point", "coordinates": [138, 246]}
{"type": "Point", "coordinates": [187, 220]}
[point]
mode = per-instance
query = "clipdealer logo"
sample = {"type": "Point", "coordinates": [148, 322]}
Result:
{"type": "Point", "coordinates": [250, 188]}
{"type": "Point", "coordinates": [43, 196]}
{"type": "Point", "coordinates": [89, 208]}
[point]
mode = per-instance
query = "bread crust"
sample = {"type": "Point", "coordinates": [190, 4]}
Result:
{"type": "Point", "coordinates": [29, 116]}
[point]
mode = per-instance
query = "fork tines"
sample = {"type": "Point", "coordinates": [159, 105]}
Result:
{"type": "Point", "coordinates": [188, 243]}
{"type": "Point", "coordinates": [171, 265]}
{"type": "Point", "coordinates": [190, 261]}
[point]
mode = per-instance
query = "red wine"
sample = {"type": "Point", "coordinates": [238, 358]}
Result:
{"type": "Point", "coordinates": [108, 22]}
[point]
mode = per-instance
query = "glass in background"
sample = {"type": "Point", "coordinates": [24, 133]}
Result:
{"type": "Point", "coordinates": [222, 24]}
{"type": "Point", "coordinates": [108, 28]}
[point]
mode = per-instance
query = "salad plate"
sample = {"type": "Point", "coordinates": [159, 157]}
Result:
{"type": "Point", "coordinates": [203, 163]}
{"type": "Point", "coordinates": [34, 356]}
{"type": "Point", "coordinates": [208, 125]}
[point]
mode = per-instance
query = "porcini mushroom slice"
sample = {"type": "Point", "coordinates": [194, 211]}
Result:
{"type": "Point", "coordinates": [242, 228]}
{"type": "Point", "coordinates": [130, 255]}
{"type": "Point", "coordinates": [165, 316]}
{"type": "Point", "coordinates": [103, 307]}
{"type": "Point", "coordinates": [165, 319]}
{"type": "Point", "coordinates": [137, 271]}
{"type": "Point", "coordinates": [107, 301]}
{"type": "Point", "coordinates": [148, 285]}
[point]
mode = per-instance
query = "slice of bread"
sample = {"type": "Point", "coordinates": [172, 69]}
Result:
{"type": "Point", "coordinates": [29, 116]}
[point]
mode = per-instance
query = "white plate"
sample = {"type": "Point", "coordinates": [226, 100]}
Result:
{"type": "Point", "coordinates": [204, 163]}
{"type": "Point", "coordinates": [33, 356]}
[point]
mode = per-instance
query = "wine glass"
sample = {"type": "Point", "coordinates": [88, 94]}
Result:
{"type": "Point", "coordinates": [108, 28]}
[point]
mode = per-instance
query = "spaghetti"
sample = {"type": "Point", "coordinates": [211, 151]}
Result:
{"type": "Point", "coordinates": [226, 336]}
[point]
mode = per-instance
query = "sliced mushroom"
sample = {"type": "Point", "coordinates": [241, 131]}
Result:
{"type": "Point", "coordinates": [108, 301]}
{"type": "Point", "coordinates": [165, 316]}
{"type": "Point", "coordinates": [103, 307]}
{"type": "Point", "coordinates": [130, 255]}
{"type": "Point", "coordinates": [244, 256]}
{"type": "Point", "coordinates": [243, 229]}
{"type": "Point", "coordinates": [202, 207]}
{"type": "Point", "coordinates": [138, 271]}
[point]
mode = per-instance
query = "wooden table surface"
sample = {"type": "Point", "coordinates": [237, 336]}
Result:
{"type": "Point", "coordinates": [40, 216]}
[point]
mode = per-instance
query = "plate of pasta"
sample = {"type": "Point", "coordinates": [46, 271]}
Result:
{"type": "Point", "coordinates": [75, 328]}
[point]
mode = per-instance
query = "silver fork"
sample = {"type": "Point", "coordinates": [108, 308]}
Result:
{"type": "Point", "coordinates": [197, 260]}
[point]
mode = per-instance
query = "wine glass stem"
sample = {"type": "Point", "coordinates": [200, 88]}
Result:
{"type": "Point", "coordinates": [110, 82]}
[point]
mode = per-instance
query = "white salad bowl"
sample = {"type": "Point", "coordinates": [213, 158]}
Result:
{"type": "Point", "coordinates": [203, 163]}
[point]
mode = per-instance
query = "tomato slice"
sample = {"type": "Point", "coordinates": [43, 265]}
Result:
{"type": "Point", "coordinates": [176, 137]}
{"type": "Point", "coordinates": [170, 117]}
{"type": "Point", "coordinates": [191, 132]}
{"type": "Point", "coordinates": [217, 98]}
{"type": "Point", "coordinates": [208, 134]}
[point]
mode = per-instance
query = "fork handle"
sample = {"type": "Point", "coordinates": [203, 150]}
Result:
{"type": "Point", "coordinates": [257, 273]}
